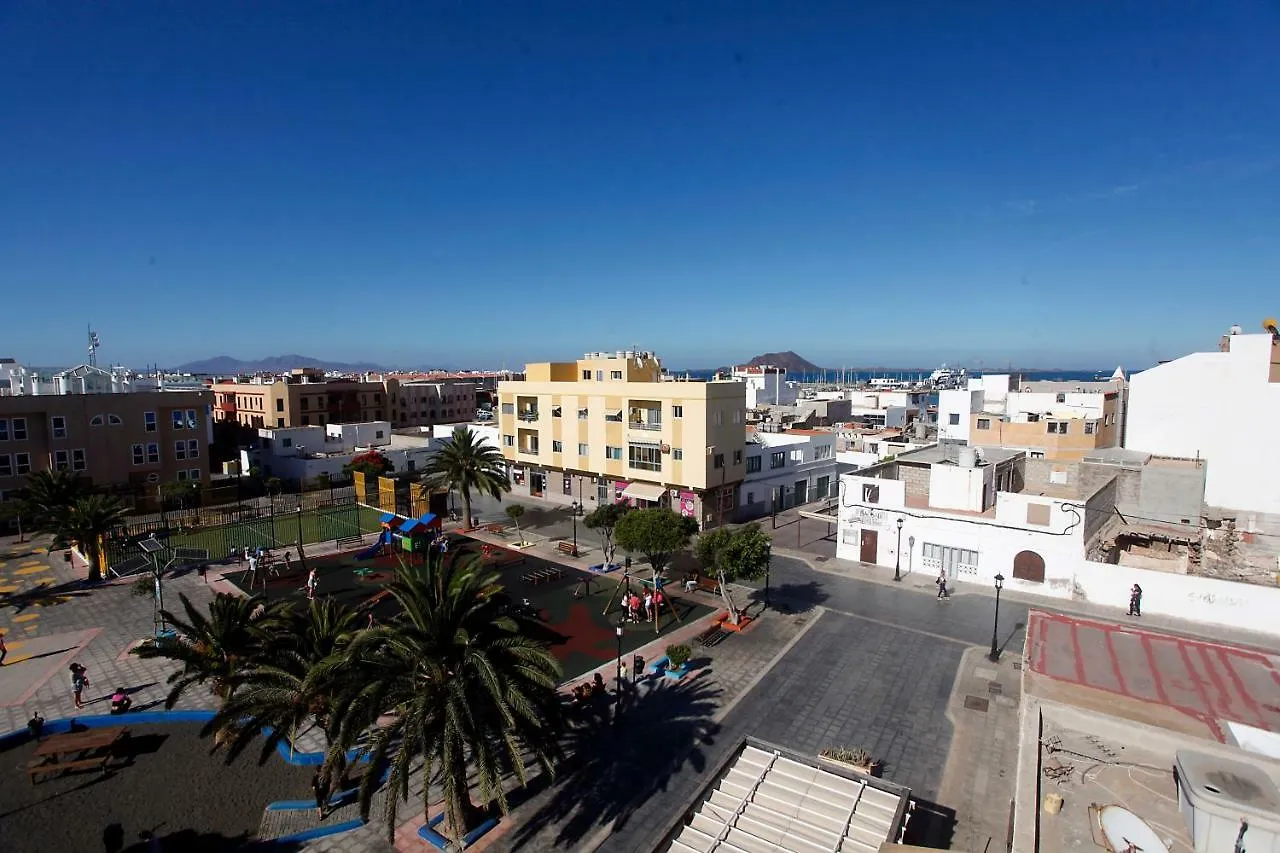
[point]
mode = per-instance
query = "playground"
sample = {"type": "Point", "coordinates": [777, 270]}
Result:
{"type": "Point", "coordinates": [580, 612]}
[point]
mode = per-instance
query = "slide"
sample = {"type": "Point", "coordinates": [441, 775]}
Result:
{"type": "Point", "coordinates": [384, 538]}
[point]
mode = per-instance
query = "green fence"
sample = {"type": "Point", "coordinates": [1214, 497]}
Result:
{"type": "Point", "coordinates": [267, 523]}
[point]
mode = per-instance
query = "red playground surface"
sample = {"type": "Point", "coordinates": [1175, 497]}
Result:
{"type": "Point", "coordinates": [1205, 680]}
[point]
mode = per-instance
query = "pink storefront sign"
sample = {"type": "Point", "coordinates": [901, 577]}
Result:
{"type": "Point", "coordinates": [686, 504]}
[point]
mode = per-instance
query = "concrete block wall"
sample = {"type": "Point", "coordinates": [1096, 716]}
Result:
{"type": "Point", "coordinates": [1098, 510]}
{"type": "Point", "coordinates": [1036, 475]}
{"type": "Point", "coordinates": [916, 480]}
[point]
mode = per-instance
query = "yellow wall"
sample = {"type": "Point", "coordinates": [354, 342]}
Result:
{"type": "Point", "coordinates": [1036, 436]}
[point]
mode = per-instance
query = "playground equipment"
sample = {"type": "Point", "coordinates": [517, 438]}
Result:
{"type": "Point", "coordinates": [657, 583]}
{"type": "Point", "coordinates": [383, 540]}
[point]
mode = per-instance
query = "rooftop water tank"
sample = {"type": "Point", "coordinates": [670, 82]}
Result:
{"type": "Point", "coordinates": [1221, 798]}
{"type": "Point", "coordinates": [967, 458]}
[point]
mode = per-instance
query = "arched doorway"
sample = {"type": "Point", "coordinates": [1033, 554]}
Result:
{"type": "Point", "coordinates": [1028, 566]}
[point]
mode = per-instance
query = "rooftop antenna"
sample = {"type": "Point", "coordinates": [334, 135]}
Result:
{"type": "Point", "coordinates": [94, 343]}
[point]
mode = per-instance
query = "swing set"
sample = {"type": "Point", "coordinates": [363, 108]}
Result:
{"type": "Point", "coordinates": [657, 583]}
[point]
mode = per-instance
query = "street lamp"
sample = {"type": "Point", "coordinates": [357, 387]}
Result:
{"type": "Point", "coordinates": [574, 507]}
{"type": "Point", "coordinates": [995, 651]}
{"type": "Point", "coordinates": [617, 701]}
{"type": "Point", "coordinates": [897, 556]}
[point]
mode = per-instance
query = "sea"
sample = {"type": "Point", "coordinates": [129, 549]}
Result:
{"type": "Point", "coordinates": [851, 376]}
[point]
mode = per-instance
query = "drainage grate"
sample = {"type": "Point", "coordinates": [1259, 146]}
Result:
{"type": "Point", "coordinates": [994, 688]}
{"type": "Point", "coordinates": [976, 703]}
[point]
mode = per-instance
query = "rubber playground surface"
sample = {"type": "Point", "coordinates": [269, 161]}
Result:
{"type": "Point", "coordinates": [581, 635]}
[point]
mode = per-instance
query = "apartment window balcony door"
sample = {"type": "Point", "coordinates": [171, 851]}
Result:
{"type": "Point", "coordinates": [537, 483]}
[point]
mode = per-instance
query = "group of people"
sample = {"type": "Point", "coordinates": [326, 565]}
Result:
{"type": "Point", "coordinates": [588, 690]}
{"type": "Point", "coordinates": [120, 701]}
{"type": "Point", "coordinates": [644, 607]}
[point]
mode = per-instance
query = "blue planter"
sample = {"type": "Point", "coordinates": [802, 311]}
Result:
{"type": "Point", "coordinates": [428, 833]}
{"type": "Point", "coordinates": [660, 666]}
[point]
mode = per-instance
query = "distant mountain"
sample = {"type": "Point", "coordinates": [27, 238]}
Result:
{"type": "Point", "coordinates": [788, 360]}
{"type": "Point", "coordinates": [225, 365]}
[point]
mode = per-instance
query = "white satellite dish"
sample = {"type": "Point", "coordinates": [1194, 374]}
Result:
{"type": "Point", "coordinates": [1125, 832]}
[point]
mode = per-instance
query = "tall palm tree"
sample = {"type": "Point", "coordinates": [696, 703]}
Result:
{"type": "Point", "coordinates": [214, 648]}
{"type": "Point", "coordinates": [49, 496]}
{"type": "Point", "coordinates": [469, 464]}
{"type": "Point", "coordinates": [465, 684]}
{"type": "Point", "coordinates": [283, 686]}
{"type": "Point", "coordinates": [85, 522]}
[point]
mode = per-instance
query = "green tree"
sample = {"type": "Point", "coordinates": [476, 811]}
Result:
{"type": "Point", "coordinates": [49, 496]}
{"type": "Point", "coordinates": [467, 687]}
{"type": "Point", "coordinates": [468, 464]}
{"type": "Point", "coordinates": [86, 522]}
{"type": "Point", "coordinates": [658, 533]}
{"type": "Point", "coordinates": [734, 555]}
{"type": "Point", "coordinates": [603, 519]}
{"type": "Point", "coordinates": [284, 686]}
{"type": "Point", "coordinates": [371, 463]}
{"type": "Point", "coordinates": [515, 512]}
{"type": "Point", "coordinates": [212, 648]}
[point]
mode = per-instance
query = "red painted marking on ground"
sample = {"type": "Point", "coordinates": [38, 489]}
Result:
{"type": "Point", "coordinates": [1044, 640]}
{"type": "Point", "coordinates": [1115, 664]}
{"type": "Point", "coordinates": [1075, 646]}
{"type": "Point", "coordinates": [1240, 687]}
{"type": "Point", "coordinates": [1209, 705]}
{"type": "Point", "coordinates": [1155, 670]}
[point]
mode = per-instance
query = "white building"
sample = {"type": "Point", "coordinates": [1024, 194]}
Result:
{"type": "Point", "coordinates": [1222, 407]}
{"type": "Point", "coordinates": [307, 452]}
{"type": "Point", "coordinates": [861, 447]}
{"type": "Point", "coordinates": [785, 469]}
{"type": "Point", "coordinates": [766, 385]}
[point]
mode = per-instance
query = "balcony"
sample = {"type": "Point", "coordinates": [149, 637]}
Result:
{"type": "Point", "coordinates": [529, 450]}
{"type": "Point", "coordinates": [645, 416]}
{"type": "Point", "coordinates": [529, 414]}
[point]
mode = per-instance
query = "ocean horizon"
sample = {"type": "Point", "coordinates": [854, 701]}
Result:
{"type": "Point", "coordinates": [918, 375]}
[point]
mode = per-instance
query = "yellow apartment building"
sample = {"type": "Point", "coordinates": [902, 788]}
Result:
{"type": "Point", "coordinates": [608, 428]}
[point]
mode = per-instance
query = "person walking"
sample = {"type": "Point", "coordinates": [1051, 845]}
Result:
{"type": "Point", "coordinates": [79, 681]}
{"type": "Point", "coordinates": [1135, 601]}
{"type": "Point", "coordinates": [320, 786]}
{"type": "Point", "coordinates": [942, 585]}
{"type": "Point", "coordinates": [312, 582]}
{"type": "Point", "coordinates": [4, 650]}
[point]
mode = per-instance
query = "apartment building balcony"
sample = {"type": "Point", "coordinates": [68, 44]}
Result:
{"type": "Point", "coordinates": [528, 415]}
{"type": "Point", "coordinates": [527, 443]}
{"type": "Point", "coordinates": [645, 416]}
{"type": "Point", "coordinates": [526, 408]}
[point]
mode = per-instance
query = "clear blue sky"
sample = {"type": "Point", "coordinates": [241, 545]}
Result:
{"type": "Point", "coordinates": [1049, 183]}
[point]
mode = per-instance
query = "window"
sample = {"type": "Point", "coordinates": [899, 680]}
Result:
{"type": "Point", "coordinates": [568, 484]}
{"type": "Point", "coordinates": [114, 420]}
{"type": "Point", "coordinates": [984, 423]}
{"type": "Point", "coordinates": [22, 463]}
{"type": "Point", "coordinates": [949, 560]}
{"type": "Point", "coordinates": [306, 404]}
{"type": "Point", "coordinates": [19, 429]}
{"type": "Point", "coordinates": [737, 457]}
{"type": "Point", "coordinates": [737, 416]}
{"type": "Point", "coordinates": [4, 430]}
{"type": "Point", "coordinates": [180, 449]}
{"type": "Point", "coordinates": [138, 458]}
{"type": "Point", "coordinates": [615, 374]}
{"type": "Point", "coordinates": [753, 464]}
{"type": "Point", "coordinates": [6, 465]}
{"type": "Point", "coordinates": [797, 456]}
{"type": "Point", "coordinates": [677, 453]}
{"type": "Point", "coordinates": [1057, 427]}
{"type": "Point", "coordinates": [582, 414]}
{"type": "Point", "coordinates": [677, 411]}
{"type": "Point", "coordinates": [822, 451]}
{"type": "Point", "coordinates": [377, 434]}
{"type": "Point", "coordinates": [557, 446]}
{"type": "Point", "coordinates": [555, 411]}
{"type": "Point", "coordinates": [870, 494]}
{"type": "Point", "coordinates": [286, 442]}
{"type": "Point", "coordinates": [614, 415]}
{"type": "Point", "coordinates": [377, 399]}
{"type": "Point", "coordinates": [97, 420]}
{"type": "Point", "coordinates": [1090, 427]}
{"type": "Point", "coordinates": [191, 418]}
{"type": "Point", "coordinates": [153, 453]}
{"type": "Point", "coordinates": [1037, 454]}
{"type": "Point", "coordinates": [612, 452]}
{"type": "Point", "coordinates": [178, 422]}
{"type": "Point", "coordinates": [644, 457]}
{"type": "Point", "coordinates": [751, 497]}
{"type": "Point", "coordinates": [78, 462]}
{"type": "Point", "coordinates": [280, 422]}
{"type": "Point", "coordinates": [1033, 419]}
{"type": "Point", "coordinates": [182, 476]}
{"type": "Point", "coordinates": [599, 375]}
{"type": "Point", "coordinates": [953, 419]}
{"type": "Point", "coordinates": [149, 421]}
{"type": "Point", "coordinates": [193, 474]}
{"type": "Point", "coordinates": [719, 417]}
{"type": "Point", "coordinates": [717, 461]}
{"type": "Point", "coordinates": [508, 441]}
{"type": "Point", "coordinates": [602, 492]}
{"type": "Point", "coordinates": [59, 425]}
{"type": "Point", "coordinates": [777, 459]}
{"type": "Point", "coordinates": [1061, 398]}
{"type": "Point", "coordinates": [61, 460]}
{"type": "Point", "coordinates": [582, 448]}
{"type": "Point", "coordinates": [306, 420]}
{"type": "Point", "coordinates": [586, 376]}
{"type": "Point", "coordinates": [280, 404]}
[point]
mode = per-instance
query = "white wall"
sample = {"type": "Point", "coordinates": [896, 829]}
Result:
{"type": "Point", "coordinates": [368, 434]}
{"type": "Point", "coordinates": [960, 403]}
{"type": "Point", "coordinates": [771, 390]}
{"type": "Point", "coordinates": [1074, 405]}
{"type": "Point", "coordinates": [957, 487]}
{"type": "Point", "coordinates": [1219, 407]}
{"type": "Point", "coordinates": [760, 486]}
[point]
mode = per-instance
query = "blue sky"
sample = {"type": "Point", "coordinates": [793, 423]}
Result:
{"type": "Point", "coordinates": [473, 183]}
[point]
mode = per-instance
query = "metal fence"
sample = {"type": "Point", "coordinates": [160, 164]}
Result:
{"type": "Point", "coordinates": [270, 522]}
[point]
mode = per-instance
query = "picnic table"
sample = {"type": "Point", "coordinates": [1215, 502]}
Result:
{"type": "Point", "coordinates": [362, 572]}
{"type": "Point", "coordinates": [75, 751]}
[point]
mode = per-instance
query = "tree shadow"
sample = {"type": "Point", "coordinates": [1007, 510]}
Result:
{"type": "Point", "coordinates": [45, 595]}
{"type": "Point", "coordinates": [792, 597]}
{"type": "Point", "coordinates": [614, 767]}
{"type": "Point", "coordinates": [192, 841]}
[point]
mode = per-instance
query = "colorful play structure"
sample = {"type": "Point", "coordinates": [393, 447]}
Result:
{"type": "Point", "coordinates": [412, 535]}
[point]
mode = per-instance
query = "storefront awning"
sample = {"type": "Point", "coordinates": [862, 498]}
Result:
{"type": "Point", "coordinates": [644, 491]}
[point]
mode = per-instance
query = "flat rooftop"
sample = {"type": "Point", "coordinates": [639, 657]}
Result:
{"type": "Point", "coordinates": [950, 453]}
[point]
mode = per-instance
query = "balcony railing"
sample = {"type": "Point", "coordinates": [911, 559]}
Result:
{"type": "Point", "coordinates": [529, 451]}
{"type": "Point", "coordinates": [529, 415]}
{"type": "Point", "coordinates": [648, 425]}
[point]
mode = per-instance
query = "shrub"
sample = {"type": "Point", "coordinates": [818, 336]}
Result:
{"type": "Point", "coordinates": [678, 656]}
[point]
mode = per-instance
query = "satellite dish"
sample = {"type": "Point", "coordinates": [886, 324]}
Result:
{"type": "Point", "coordinates": [1124, 831]}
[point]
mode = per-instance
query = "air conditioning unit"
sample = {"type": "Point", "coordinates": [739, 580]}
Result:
{"type": "Point", "coordinates": [1227, 804]}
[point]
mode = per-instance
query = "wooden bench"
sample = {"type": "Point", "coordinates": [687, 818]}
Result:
{"type": "Point", "coordinates": [567, 548]}
{"type": "Point", "coordinates": [493, 528]}
{"type": "Point", "coordinates": [710, 585]}
{"type": "Point", "coordinates": [348, 542]}
{"type": "Point", "coordinates": [37, 767]}
{"type": "Point", "coordinates": [543, 576]}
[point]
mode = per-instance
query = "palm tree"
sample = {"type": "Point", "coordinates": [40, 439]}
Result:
{"type": "Point", "coordinates": [283, 685]}
{"type": "Point", "coordinates": [85, 522]}
{"type": "Point", "coordinates": [465, 684]}
{"type": "Point", "coordinates": [49, 496]}
{"type": "Point", "coordinates": [466, 463]}
{"type": "Point", "coordinates": [213, 649]}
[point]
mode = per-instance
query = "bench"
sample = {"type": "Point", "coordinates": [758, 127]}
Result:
{"type": "Point", "coordinates": [348, 542]}
{"type": "Point", "coordinates": [543, 576]}
{"type": "Point", "coordinates": [710, 585]}
{"type": "Point", "coordinates": [37, 767]}
{"type": "Point", "coordinates": [493, 528]}
{"type": "Point", "coordinates": [567, 548]}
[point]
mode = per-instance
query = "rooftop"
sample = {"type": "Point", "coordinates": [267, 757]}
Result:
{"type": "Point", "coordinates": [949, 454]}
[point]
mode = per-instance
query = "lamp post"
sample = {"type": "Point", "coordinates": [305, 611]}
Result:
{"type": "Point", "coordinates": [897, 555]}
{"type": "Point", "coordinates": [617, 699]}
{"type": "Point", "coordinates": [573, 508]}
{"type": "Point", "coordinates": [995, 625]}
